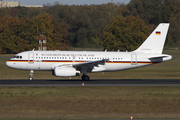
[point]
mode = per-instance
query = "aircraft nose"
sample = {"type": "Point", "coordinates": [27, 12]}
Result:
{"type": "Point", "coordinates": [9, 64]}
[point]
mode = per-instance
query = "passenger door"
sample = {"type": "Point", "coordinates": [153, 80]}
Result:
{"type": "Point", "coordinates": [31, 58]}
{"type": "Point", "coordinates": [133, 59]}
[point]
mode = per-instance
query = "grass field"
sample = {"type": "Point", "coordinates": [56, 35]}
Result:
{"type": "Point", "coordinates": [89, 102]}
{"type": "Point", "coordinates": [93, 102]}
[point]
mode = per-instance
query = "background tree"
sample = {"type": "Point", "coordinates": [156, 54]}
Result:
{"type": "Point", "coordinates": [125, 33]}
{"type": "Point", "coordinates": [82, 26]}
{"type": "Point", "coordinates": [8, 38]}
{"type": "Point", "coordinates": [59, 36]}
{"type": "Point", "coordinates": [173, 39]}
{"type": "Point", "coordinates": [151, 11]}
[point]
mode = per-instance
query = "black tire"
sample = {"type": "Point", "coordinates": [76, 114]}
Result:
{"type": "Point", "coordinates": [30, 78]}
{"type": "Point", "coordinates": [85, 77]}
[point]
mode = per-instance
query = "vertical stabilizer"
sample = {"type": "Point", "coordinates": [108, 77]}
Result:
{"type": "Point", "coordinates": [155, 42]}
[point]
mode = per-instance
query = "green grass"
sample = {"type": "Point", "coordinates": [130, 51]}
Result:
{"type": "Point", "coordinates": [165, 70]}
{"type": "Point", "coordinates": [89, 102]}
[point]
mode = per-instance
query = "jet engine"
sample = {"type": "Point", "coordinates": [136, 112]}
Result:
{"type": "Point", "coordinates": [65, 71]}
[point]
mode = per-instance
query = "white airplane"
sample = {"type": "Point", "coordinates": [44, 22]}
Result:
{"type": "Point", "coordinates": [72, 63]}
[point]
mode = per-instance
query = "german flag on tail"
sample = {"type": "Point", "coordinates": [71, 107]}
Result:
{"type": "Point", "coordinates": [158, 33]}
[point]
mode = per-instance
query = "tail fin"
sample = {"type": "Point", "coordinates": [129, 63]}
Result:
{"type": "Point", "coordinates": [155, 42]}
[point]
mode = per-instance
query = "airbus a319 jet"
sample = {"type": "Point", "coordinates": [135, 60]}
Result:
{"type": "Point", "coordinates": [72, 63]}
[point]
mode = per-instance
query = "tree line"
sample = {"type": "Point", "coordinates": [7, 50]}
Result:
{"type": "Point", "coordinates": [111, 26]}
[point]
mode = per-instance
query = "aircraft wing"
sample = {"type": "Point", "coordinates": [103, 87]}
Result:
{"type": "Point", "coordinates": [85, 65]}
{"type": "Point", "coordinates": [89, 66]}
{"type": "Point", "coordinates": [91, 63]}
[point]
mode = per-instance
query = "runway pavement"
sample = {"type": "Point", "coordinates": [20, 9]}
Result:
{"type": "Point", "coordinates": [113, 82]}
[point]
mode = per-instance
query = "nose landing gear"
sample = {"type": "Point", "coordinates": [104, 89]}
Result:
{"type": "Point", "coordinates": [31, 75]}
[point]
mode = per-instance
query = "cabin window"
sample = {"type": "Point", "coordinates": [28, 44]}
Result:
{"type": "Point", "coordinates": [18, 57]}
{"type": "Point", "coordinates": [57, 57]}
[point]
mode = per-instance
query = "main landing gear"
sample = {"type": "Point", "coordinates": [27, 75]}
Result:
{"type": "Point", "coordinates": [85, 77]}
{"type": "Point", "coordinates": [31, 75]}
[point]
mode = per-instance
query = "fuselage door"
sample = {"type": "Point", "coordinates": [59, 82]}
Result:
{"type": "Point", "coordinates": [31, 58]}
{"type": "Point", "coordinates": [133, 59]}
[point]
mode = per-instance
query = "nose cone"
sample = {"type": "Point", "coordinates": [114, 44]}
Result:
{"type": "Point", "coordinates": [9, 64]}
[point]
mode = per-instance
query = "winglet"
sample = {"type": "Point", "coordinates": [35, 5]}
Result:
{"type": "Point", "coordinates": [155, 42]}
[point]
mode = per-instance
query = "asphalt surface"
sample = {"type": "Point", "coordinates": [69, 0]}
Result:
{"type": "Point", "coordinates": [113, 82]}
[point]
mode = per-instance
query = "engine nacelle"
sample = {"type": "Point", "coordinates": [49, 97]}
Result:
{"type": "Point", "coordinates": [65, 71]}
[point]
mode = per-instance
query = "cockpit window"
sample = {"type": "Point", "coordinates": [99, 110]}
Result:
{"type": "Point", "coordinates": [18, 57]}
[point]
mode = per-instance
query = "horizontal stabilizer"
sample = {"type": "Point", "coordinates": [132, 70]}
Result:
{"type": "Point", "coordinates": [158, 56]}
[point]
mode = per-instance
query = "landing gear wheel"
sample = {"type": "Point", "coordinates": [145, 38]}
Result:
{"type": "Point", "coordinates": [85, 77]}
{"type": "Point", "coordinates": [30, 78]}
{"type": "Point", "coordinates": [31, 75]}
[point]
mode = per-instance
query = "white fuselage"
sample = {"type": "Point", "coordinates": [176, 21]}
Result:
{"type": "Point", "coordinates": [47, 60]}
